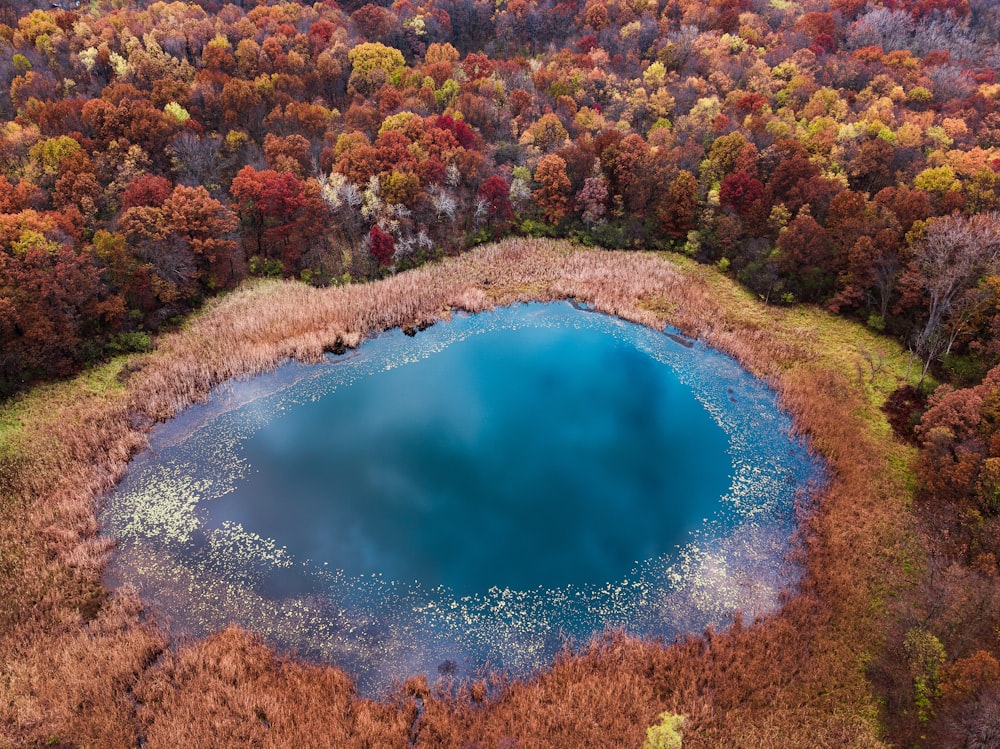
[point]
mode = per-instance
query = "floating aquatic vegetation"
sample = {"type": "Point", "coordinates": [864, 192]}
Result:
{"type": "Point", "coordinates": [201, 572]}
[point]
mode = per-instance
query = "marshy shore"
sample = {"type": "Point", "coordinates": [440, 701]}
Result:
{"type": "Point", "coordinates": [84, 666]}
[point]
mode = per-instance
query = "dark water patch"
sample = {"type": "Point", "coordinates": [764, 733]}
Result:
{"type": "Point", "coordinates": [682, 340]}
{"type": "Point", "coordinates": [477, 495]}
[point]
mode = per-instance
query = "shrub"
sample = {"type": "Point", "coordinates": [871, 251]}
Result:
{"type": "Point", "coordinates": [666, 734]}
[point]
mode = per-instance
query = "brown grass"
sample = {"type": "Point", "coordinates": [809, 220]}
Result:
{"type": "Point", "coordinates": [81, 668]}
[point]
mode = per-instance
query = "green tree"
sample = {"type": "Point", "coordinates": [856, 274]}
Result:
{"type": "Point", "coordinates": [925, 655]}
{"type": "Point", "coordinates": [666, 734]}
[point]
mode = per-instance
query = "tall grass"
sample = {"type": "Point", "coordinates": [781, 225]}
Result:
{"type": "Point", "coordinates": [82, 667]}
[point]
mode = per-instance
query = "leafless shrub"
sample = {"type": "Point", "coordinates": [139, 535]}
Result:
{"type": "Point", "coordinates": [882, 27]}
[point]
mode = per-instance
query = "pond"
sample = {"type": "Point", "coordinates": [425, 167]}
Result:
{"type": "Point", "coordinates": [481, 495]}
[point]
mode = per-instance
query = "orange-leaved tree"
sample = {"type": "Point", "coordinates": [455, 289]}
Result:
{"type": "Point", "coordinates": [552, 194]}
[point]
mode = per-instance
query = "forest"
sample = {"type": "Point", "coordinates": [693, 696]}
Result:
{"type": "Point", "coordinates": [152, 155]}
{"type": "Point", "coordinates": [840, 154]}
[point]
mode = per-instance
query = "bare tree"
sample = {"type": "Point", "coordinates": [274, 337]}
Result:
{"type": "Point", "coordinates": [883, 27]}
{"type": "Point", "coordinates": [954, 254]}
{"type": "Point", "coordinates": [197, 160]}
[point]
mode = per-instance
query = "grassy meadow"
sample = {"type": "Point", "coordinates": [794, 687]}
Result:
{"type": "Point", "coordinates": [81, 666]}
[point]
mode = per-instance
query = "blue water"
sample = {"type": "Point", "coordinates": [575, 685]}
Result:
{"type": "Point", "coordinates": [483, 494]}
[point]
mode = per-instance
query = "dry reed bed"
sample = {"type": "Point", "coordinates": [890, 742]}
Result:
{"type": "Point", "coordinates": [87, 671]}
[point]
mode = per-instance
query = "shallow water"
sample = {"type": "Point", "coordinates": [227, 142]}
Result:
{"type": "Point", "coordinates": [482, 494]}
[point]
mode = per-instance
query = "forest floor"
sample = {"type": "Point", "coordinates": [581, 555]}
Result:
{"type": "Point", "coordinates": [81, 666]}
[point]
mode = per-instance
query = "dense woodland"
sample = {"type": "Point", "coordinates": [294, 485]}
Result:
{"type": "Point", "coordinates": [843, 153]}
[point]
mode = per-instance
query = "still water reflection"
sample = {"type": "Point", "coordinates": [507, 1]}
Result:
{"type": "Point", "coordinates": [481, 494]}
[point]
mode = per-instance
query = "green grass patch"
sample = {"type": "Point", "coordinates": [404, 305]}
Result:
{"type": "Point", "coordinates": [36, 405]}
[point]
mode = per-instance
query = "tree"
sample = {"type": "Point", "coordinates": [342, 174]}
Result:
{"type": "Point", "coordinates": [381, 246]}
{"type": "Point", "coordinates": [667, 734]}
{"type": "Point", "coordinates": [729, 153]}
{"type": "Point", "coordinates": [870, 168]}
{"type": "Point", "coordinates": [805, 259]}
{"type": "Point", "coordinates": [291, 154]}
{"type": "Point", "coordinates": [677, 214]}
{"type": "Point", "coordinates": [77, 186]}
{"type": "Point", "coordinates": [148, 190]}
{"type": "Point", "coordinates": [372, 64]}
{"type": "Point", "coordinates": [496, 193]}
{"type": "Point", "coordinates": [198, 160]}
{"type": "Point", "coordinates": [464, 135]}
{"type": "Point", "coordinates": [204, 226]}
{"type": "Point", "coordinates": [185, 245]}
{"type": "Point", "coordinates": [592, 199]}
{"type": "Point", "coordinates": [546, 134]}
{"type": "Point", "coordinates": [133, 120]}
{"type": "Point", "coordinates": [908, 205]}
{"type": "Point", "coordinates": [948, 262]}
{"type": "Point", "coordinates": [631, 168]}
{"type": "Point", "coordinates": [46, 158]}
{"type": "Point", "coordinates": [789, 173]}
{"type": "Point", "coordinates": [960, 446]}
{"type": "Point", "coordinates": [52, 301]}
{"type": "Point", "coordinates": [284, 215]}
{"type": "Point", "coordinates": [552, 194]}
{"type": "Point", "coordinates": [357, 159]}
{"type": "Point", "coordinates": [739, 191]}
{"type": "Point", "coordinates": [865, 246]}
{"type": "Point", "coordinates": [373, 22]}
{"type": "Point", "coordinates": [241, 103]}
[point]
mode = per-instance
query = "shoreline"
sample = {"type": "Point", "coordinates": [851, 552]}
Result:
{"type": "Point", "coordinates": [100, 652]}
{"type": "Point", "coordinates": [738, 559]}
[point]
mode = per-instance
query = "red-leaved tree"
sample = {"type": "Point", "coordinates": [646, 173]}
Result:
{"type": "Point", "coordinates": [496, 192]}
{"type": "Point", "coordinates": [282, 214]}
{"type": "Point", "coordinates": [381, 245]}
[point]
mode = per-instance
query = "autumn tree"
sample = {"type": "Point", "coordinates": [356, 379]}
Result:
{"type": "Point", "coordinates": [592, 198]}
{"type": "Point", "coordinates": [282, 214]}
{"type": "Point", "coordinates": [631, 167]}
{"type": "Point", "coordinates": [960, 446]}
{"type": "Point", "coordinates": [495, 193]}
{"type": "Point", "coordinates": [203, 227]}
{"type": "Point", "coordinates": [728, 154]}
{"type": "Point", "coordinates": [546, 133]}
{"type": "Point", "coordinates": [372, 65]}
{"type": "Point", "coordinates": [870, 167]}
{"type": "Point", "coordinates": [677, 212]}
{"type": "Point", "coordinates": [381, 246]}
{"type": "Point", "coordinates": [373, 22]}
{"type": "Point", "coordinates": [291, 153]}
{"type": "Point", "coordinates": [739, 191]}
{"type": "Point", "coordinates": [552, 194]}
{"type": "Point", "coordinates": [805, 259]}
{"type": "Point", "coordinates": [52, 302]}
{"type": "Point", "coordinates": [147, 190]}
{"type": "Point", "coordinates": [185, 246]}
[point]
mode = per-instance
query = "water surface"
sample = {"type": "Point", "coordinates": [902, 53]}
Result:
{"type": "Point", "coordinates": [482, 494]}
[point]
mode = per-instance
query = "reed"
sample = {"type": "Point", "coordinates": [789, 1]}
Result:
{"type": "Point", "coordinates": [85, 667]}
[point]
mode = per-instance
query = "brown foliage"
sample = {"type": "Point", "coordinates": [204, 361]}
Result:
{"type": "Point", "coordinates": [903, 409]}
{"type": "Point", "coordinates": [957, 598]}
{"type": "Point", "coordinates": [678, 212]}
{"type": "Point", "coordinates": [961, 445]}
{"type": "Point", "coordinates": [806, 257]}
{"type": "Point", "coordinates": [552, 194]}
{"type": "Point", "coordinates": [231, 689]}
